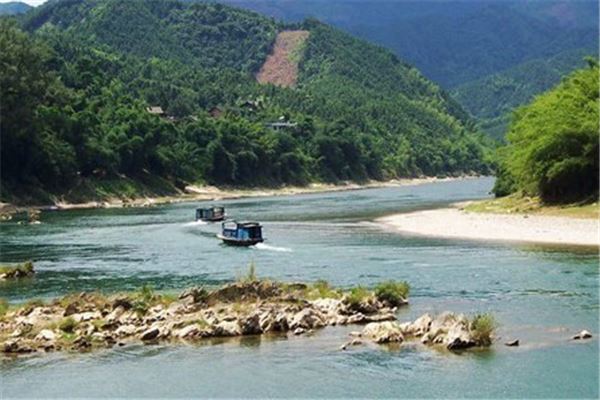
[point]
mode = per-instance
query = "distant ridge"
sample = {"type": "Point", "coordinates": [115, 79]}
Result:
{"type": "Point", "coordinates": [14, 8]}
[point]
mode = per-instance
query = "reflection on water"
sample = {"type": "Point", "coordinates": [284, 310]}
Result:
{"type": "Point", "coordinates": [539, 294]}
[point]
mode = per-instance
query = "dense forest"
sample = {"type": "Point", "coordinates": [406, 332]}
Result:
{"type": "Point", "coordinates": [552, 149]}
{"type": "Point", "coordinates": [77, 77]}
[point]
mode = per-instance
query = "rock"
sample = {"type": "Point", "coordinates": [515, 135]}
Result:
{"type": "Point", "coordinates": [383, 332]}
{"type": "Point", "coordinates": [87, 316]}
{"type": "Point", "coordinates": [512, 343]}
{"type": "Point", "coordinates": [355, 334]}
{"type": "Point", "coordinates": [190, 331]}
{"type": "Point", "coordinates": [307, 318]}
{"type": "Point", "coordinates": [122, 301]}
{"type": "Point", "coordinates": [356, 318]}
{"type": "Point", "coordinates": [115, 314]}
{"type": "Point", "coordinates": [82, 343]}
{"type": "Point", "coordinates": [17, 346]}
{"type": "Point", "coordinates": [459, 337]}
{"type": "Point", "coordinates": [299, 331]}
{"type": "Point", "coordinates": [327, 306]}
{"type": "Point", "coordinates": [582, 335]}
{"type": "Point", "coordinates": [420, 326]}
{"type": "Point", "coordinates": [250, 325]}
{"type": "Point", "coordinates": [46, 335]}
{"type": "Point", "coordinates": [354, 342]}
{"type": "Point", "coordinates": [150, 334]}
{"type": "Point", "coordinates": [71, 309]}
{"type": "Point", "coordinates": [380, 317]}
{"type": "Point", "coordinates": [195, 294]}
{"type": "Point", "coordinates": [125, 330]}
{"type": "Point", "coordinates": [227, 328]}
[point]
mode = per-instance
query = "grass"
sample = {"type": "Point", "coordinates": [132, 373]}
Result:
{"type": "Point", "coordinates": [517, 204]}
{"type": "Point", "coordinates": [67, 325]}
{"type": "Point", "coordinates": [357, 295]}
{"type": "Point", "coordinates": [250, 276]}
{"type": "Point", "coordinates": [393, 292]}
{"type": "Point", "coordinates": [482, 328]}
{"type": "Point", "coordinates": [321, 289]}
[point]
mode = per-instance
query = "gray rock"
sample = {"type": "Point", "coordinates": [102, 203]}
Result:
{"type": "Point", "coordinates": [46, 335]}
{"type": "Point", "coordinates": [150, 334]}
{"type": "Point", "coordinates": [512, 343]}
{"type": "Point", "coordinates": [227, 328]}
{"type": "Point", "coordinates": [383, 332]}
{"type": "Point", "coordinates": [307, 318]}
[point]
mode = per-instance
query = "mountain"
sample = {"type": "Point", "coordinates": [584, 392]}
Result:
{"type": "Point", "coordinates": [14, 8]}
{"type": "Point", "coordinates": [492, 99]}
{"type": "Point", "coordinates": [492, 55]}
{"type": "Point", "coordinates": [454, 41]}
{"type": "Point", "coordinates": [348, 110]}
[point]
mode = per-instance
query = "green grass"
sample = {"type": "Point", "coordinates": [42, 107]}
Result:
{"type": "Point", "coordinates": [517, 204]}
{"type": "Point", "coordinates": [393, 292]}
{"type": "Point", "coordinates": [250, 276]}
{"type": "Point", "coordinates": [67, 325]}
{"type": "Point", "coordinates": [357, 295]}
{"type": "Point", "coordinates": [482, 328]}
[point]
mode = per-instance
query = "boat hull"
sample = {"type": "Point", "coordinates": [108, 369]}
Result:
{"type": "Point", "coordinates": [236, 242]}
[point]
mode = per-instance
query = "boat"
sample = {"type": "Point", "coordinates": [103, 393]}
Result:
{"type": "Point", "coordinates": [241, 233]}
{"type": "Point", "coordinates": [210, 214]}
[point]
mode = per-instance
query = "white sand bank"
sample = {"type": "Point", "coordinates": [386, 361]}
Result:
{"type": "Point", "coordinates": [455, 223]}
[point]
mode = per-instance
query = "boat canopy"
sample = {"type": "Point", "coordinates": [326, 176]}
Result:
{"type": "Point", "coordinates": [210, 213]}
{"type": "Point", "coordinates": [242, 230]}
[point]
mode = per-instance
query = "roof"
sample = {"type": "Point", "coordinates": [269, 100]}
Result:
{"type": "Point", "coordinates": [155, 110]}
{"type": "Point", "coordinates": [282, 124]}
{"type": "Point", "coordinates": [244, 224]}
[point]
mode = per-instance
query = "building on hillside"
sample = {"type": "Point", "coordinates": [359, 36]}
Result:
{"type": "Point", "coordinates": [215, 112]}
{"type": "Point", "coordinates": [279, 126]}
{"type": "Point", "coordinates": [156, 110]}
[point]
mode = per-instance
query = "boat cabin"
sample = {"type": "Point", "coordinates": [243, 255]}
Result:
{"type": "Point", "coordinates": [210, 214]}
{"type": "Point", "coordinates": [241, 233]}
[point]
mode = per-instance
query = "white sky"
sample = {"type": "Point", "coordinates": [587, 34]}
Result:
{"type": "Point", "coordinates": [30, 2]}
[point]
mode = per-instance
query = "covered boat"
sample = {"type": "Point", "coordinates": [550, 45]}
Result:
{"type": "Point", "coordinates": [241, 233]}
{"type": "Point", "coordinates": [210, 214]}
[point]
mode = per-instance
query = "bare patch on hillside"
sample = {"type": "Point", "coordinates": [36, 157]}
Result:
{"type": "Point", "coordinates": [281, 66]}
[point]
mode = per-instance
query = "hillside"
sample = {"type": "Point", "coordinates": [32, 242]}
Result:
{"type": "Point", "coordinates": [281, 66]}
{"type": "Point", "coordinates": [357, 112]}
{"type": "Point", "coordinates": [14, 8]}
{"type": "Point", "coordinates": [492, 99]}
{"type": "Point", "coordinates": [552, 149]}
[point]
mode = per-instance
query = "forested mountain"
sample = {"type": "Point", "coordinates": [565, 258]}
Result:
{"type": "Point", "coordinates": [88, 69]}
{"type": "Point", "coordinates": [492, 99]}
{"type": "Point", "coordinates": [552, 149]}
{"type": "Point", "coordinates": [13, 8]}
{"type": "Point", "coordinates": [454, 41]}
{"type": "Point", "coordinates": [492, 55]}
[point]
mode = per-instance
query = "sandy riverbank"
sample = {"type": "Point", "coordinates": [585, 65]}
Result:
{"type": "Point", "coordinates": [457, 223]}
{"type": "Point", "coordinates": [212, 193]}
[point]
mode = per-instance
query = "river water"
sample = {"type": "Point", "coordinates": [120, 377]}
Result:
{"type": "Point", "coordinates": [541, 295]}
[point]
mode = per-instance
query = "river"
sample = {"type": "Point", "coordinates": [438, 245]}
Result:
{"type": "Point", "coordinates": [541, 295]}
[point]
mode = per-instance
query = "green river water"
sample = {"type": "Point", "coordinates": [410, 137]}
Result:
{"type": "Point", "coordinates": [541, 295]}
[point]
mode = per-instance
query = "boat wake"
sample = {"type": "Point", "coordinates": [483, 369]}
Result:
{"type": "Point", "coordinates": [262, 246]}
{"type": "Point", "coordinates": [196, 223]}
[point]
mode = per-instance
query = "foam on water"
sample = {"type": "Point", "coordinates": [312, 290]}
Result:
{"type": "Point", "coordinates": [195, 223]}
{"type": "Point", "coordinates": [262, 246]}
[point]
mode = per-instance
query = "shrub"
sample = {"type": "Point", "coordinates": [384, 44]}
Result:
{"type": "Point", "coordinates": [482, 328]}
{"type": "Point", "coordinates": [357, 295]}
{"type": "Point", "coordinates": [393, 292]}
{"type": "Point", "coordinates": [324, 290]}
{"type": "Point", "coordinates": [250, 275]}
{"type": "Point", "coordinates": [67, 325]}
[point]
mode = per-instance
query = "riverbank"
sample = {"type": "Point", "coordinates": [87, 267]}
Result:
{"type": "Point", "coordinates": [213, 193]}
{"type": "Point", "coordinates": [458, 222]}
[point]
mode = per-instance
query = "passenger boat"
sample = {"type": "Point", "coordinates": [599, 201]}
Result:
{"type": "Point", "coordinates": [211, 214]}
{"type": "Point", "coordinates": [241, 233]}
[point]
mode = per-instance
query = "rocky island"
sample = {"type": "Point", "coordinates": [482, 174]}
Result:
{"type": "Point", "coordinates": [249, 307]}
